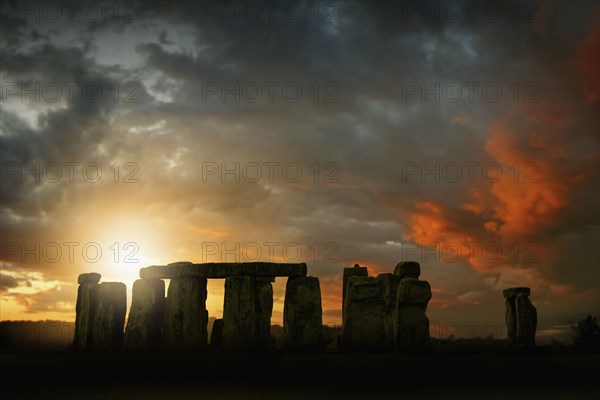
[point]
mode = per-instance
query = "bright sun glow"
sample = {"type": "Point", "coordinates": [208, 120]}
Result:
{"type": "Point", "coordinates": [130, 244]}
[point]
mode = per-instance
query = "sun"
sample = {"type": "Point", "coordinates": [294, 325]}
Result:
{"type": "Point", "coordinates": [129, 244]}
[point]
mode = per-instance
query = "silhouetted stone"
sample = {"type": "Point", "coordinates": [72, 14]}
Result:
{"type": "Point", "coordinates": [303, 315]}
{"type": "Point", "coordinates": [91, 277]}
{"type": "Point", "coordinates": [526, 320]}
{"type": "Point", "coordinates": [186, 317]}
{"type": "Point", "coordinates": [357, 270]}
{"type": "Point", "coordinates": [240, 313]}
{"type": "Point", "coordinates": [264, 293]}
{"type": "Point", "coordinates": [407, 269]}
{"type": "Point", "coordinates": [520, 316]}
{"type": "Point", "coordinates": [411, 325]}
{"type": "Point", "coordinates": [109, 320]}
{"type": "Point", "coordinates": [412, 328]}
{"type": "Point", "coordinates": [216, 335]}
{"type": "Point", "coordinates": [389, 287]}
{"type": "Point", "coordinates": [364, 311]}
{"type": "Point", "coordinates": [510, 317]}
{"type": "Point", "coordinates": [414, 292]}
{"type": "Point", "coordinates": [514, 292]}
{"type": "Point", "coordinates": [85, 312]}
{"type": "Point", "coordinates": [145, 322]}
{"type": "Point", "coordinates": [222, 270]}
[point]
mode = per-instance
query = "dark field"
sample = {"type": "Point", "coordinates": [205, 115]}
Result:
{"type": "Point", "coordinates": [63, 375]}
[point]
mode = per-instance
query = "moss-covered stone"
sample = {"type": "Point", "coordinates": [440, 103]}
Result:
{"type": "Point", "coordinates": [357, 270]}
{"type": "Point", "coordinates": [526, 320]}
{"type": "Point", "coordinates": [186, 318]}
{"type": "Point", "coordinates": [240, 313]}
{"type": "Point", "coordinates": [145, 322]}
{"type": "Point", "coordinates": [264, 293]}
{"type": "Point", "coordinates": [363, 328]}
{"type": "Point", "coordinates": [389, 287]}
{"type": "Point", "coordinates": [109, 319]}
{"type": "Point", "coordinates": [85, 312]}
{"type": "Point", "coordinates": [303, 315]}
{"type": "Point", "coordinates": [411, 327]}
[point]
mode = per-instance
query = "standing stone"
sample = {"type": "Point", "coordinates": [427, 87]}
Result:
{"type": "Point", "coordinates": [186, 318]}
{"type": "Point", "coordinates": [363, 328]}
{"type": "Point", "coordinates": [216, 334]}
{"type": "Point", "coordinates": [526, 320]}
{"type": "Point", "coordinates": [411, 269]}
{"type": "Point", "coordinates": [303, 315]}
{"type": "Point", "coordinates": [110, 315]}
{"type": "Point", "coordinates": [145, 322]}
{"type": "Point", "coordinates": [520, 316]}
{"type": "Point", "coordinates": [411, 325]}
{"type": "Point", "coordinates": [389, 287]}
{"type": "Point", "coordinates": [85, 310]}
{"type": "Point", "coordinates": [264, 293]}
{"type": "Point", "coordinates": [240, 313]}
{"type": "Point", "coordinates": [357, 270]}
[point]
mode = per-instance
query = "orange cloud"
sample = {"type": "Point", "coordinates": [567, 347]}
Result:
{"type": "Point", "coordinates": [587, 64]}
{"type": "Point", "coordinates": [532, 146]}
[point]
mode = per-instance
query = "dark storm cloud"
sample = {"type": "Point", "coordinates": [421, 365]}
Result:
{"type": "Point", "coordinates": [7, 282]}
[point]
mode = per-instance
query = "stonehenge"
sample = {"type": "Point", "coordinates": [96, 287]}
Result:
{"type": "Point", "coordinates": [521, 316]}
{"type": "Point", "coordinates": [382, 313]}
{"type": "Point", "coordinates": [179, 320]}
{"type": "Point", "coordinates": [386, 312]}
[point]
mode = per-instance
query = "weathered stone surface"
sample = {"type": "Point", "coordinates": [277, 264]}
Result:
{"type": "Point", "coordinates": [389, 287]}
{"type": "Point", "coordinates": [109, 320]}
{"type": "Point", "coordinates": [264, 293]}
{"type": "Point", "coordinates": [526, 320]}
{"type": "Point", "coordinates": [216, 334]}
{"type": "Point", "coordinates": [303, 315]}
{"type": "Point", "coordinates": [514, 292]}
{"type": "Point", "coordinates": [186, 318]}
{"type": "Point", "coordinates": [412, 291]}
{"type": "Point", "coordinates": [363, 328]}
{"type": "Point", "coordinates": [357, 270]}
{"type": "Point", "coordinates": [408, 269]}
{"type": "Point", "coordinates": [222, 270]}
{"type": "Point", "coordinates": [145, 322]}
{"type": "Point", "coordinates": [240, 313]}
{"type": "Point", "coordinates": [91, 277]}
{"type": "Point", "coordinates": [85, 312]}
{"type": "Point", "coordinates": [411, 327]}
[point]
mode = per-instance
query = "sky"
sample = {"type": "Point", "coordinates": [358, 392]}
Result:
{"type": "Point", "coordinates": [463, 135]}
